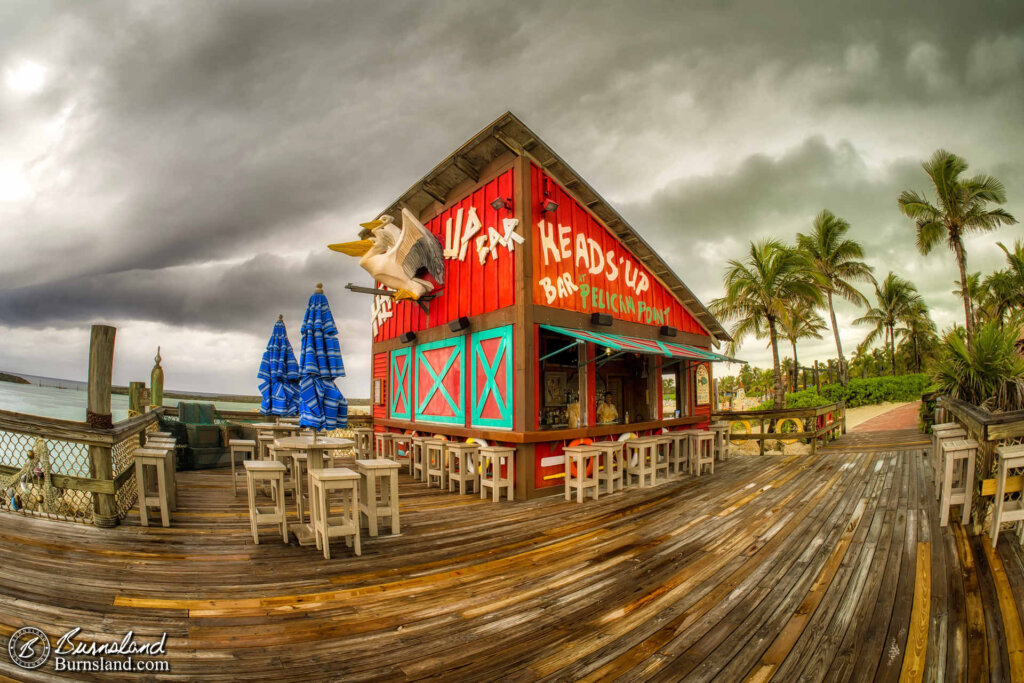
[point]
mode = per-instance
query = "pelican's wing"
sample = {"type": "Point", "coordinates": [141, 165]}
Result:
{"type": "Point", "coordinates": [418, 248]}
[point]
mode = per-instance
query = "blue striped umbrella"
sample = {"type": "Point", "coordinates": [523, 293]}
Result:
{"type": "Point", "coordinates": [321, 405]}
{"type": "Point", "coordinates": [279, 374]}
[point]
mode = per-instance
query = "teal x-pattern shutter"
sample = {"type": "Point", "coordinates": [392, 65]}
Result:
{"type": "Point", "coordinates": [449, 382]}
{"type": "Point", "coordinates": [401, 384]}
{"type": "Point", "coordinates": [491, 378]}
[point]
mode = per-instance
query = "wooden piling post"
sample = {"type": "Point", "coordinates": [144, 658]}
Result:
{"type": "Point", "coordinates": [101, 370]}
{"type": "Point", "coordinates": [135, 404]}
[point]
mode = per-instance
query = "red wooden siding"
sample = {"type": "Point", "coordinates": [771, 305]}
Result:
{"type": "Point", "coordinates": [470, 288]}
{"type": "Point", "coordinates": [380, 372]}
{"type": "Point", "coordinates": [553, 452]}
{"type": "Point", "coordinates": [624, 288]}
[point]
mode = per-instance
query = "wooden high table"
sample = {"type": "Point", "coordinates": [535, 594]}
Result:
{"type": "Point", "coordinates": [273, 427]}
{"type": "Point", "coordinates": [314, 446]}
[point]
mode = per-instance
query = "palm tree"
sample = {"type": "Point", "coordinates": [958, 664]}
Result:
{"type": "Point", "coordinates": [918, 331]}
{"type": "Point", "coordinates": [1003, 293]}
{"type": "Point", "coordinates": [895, 299]}
{"type": "Point", "coordinates": [800, 321]}
{"type": "Point", "coordinates": [838, 260]}
{"type": "Point", "coordinates": [962, 209]}
{"type": "Point", "coordinates": [860, 360]}
{"type": "Point", "coordinates": [1015, 271]}
{"type": "Point", "coordinates": [975, 294]}
{"type": "Point", "coordinates": [758, 291]}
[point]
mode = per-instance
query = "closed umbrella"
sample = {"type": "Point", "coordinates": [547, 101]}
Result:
{"type": "Point", "coordinates": [321, 405]}
{"type": "Point", "coordinates": [279, 375]}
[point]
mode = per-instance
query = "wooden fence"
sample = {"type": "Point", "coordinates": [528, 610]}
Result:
{"type": "Point", "coordinates": [91, 473]}
{"type": "Point", "coordinates": [990, 430]}
{"type": "Point", "coordinates": [815, 424]}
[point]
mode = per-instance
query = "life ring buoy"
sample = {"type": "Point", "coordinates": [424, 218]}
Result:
{"type": "Point", "coordinates": [626, 437]}
{"type": "Point", "coordinates": [829, 419]}
{"type": "Point", "coordinates": [442, 437]}
{"type": "Point", "coordinates": [797, 427]}
{"type": "Point", "coordinates": [745, 430]}
{"type": "Point", "coordinates": [582, 442]}
{"type": "Point", "coordinates": [478, 441]}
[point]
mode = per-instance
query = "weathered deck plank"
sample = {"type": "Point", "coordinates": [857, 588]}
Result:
{"type": "Point", "coordinates": [810, 567]}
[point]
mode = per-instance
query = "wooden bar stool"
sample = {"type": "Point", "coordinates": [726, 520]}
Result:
{"type": "Point", "coordinates": [581, 463]}
{"type": "Point", "coordinates": [662, 455]}
{"type": "Point", "coordinates": [272, 473]}
{"type": "Point", "coordinates": [418, 459]}
{"type": "Point", "coordinates": [721, 430]}
{"type": "Point", "coordinates": [939, 437]}
{"type": "Point", "coordinates": [377, 502]}
{"type": "Point", "coordinates": [1010, 458]}
{"type": "Point", "coordinates": [612, 470]}
{"type": "Point", "coordinates": [300, 474]}
{"type": "Point", "coordinates": [435, 462]}
{"type": "Point", "coordinates": [364, 442]}
{"type": "Point", "coordinates": [382, 445]}
{"type": "Point", "coordinates": [702, 451]}
{"type": "Point", "coordinates": [952, 452]}
{"type": "Point", "coordinates": [680, 460]}
{"type": "Point", "coordinates": [463, 474]}
{"type": "Point", "coordinates": [264, 440]}
{"type": "Point", "coordinates": [240, 447]}
{"type": "Point", "coordinates": [492, 458]}
{"type": "Point", "coordinates": [640, 461]}
{"type": "Point", "coordinates": [345, 525]}
{"type": "Point", "coordinates": [155, 458]}
{"type": "Point", "coordinates": [170, 466]}
{"type": "Point", "coordinates": [401, 449]}
{"type": "Point", "coordinates": [283, 456]}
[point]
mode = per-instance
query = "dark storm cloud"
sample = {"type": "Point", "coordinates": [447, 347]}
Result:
{"type": "Point", "coordinates": [246, 297]}
{"type": "Point", "coordinates": [183, 147]}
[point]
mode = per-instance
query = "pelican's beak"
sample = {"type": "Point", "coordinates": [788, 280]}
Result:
{"type": "Point", "coordinates": [372, 225]}
{"type": "Point", "coordinates": [357, 248]}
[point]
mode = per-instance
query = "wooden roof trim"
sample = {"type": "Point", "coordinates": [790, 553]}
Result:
{"type": "Point", "coordinates": [508, 130]}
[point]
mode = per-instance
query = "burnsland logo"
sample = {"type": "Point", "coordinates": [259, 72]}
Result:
{"type": "Point", "coordinates": [30, 648]}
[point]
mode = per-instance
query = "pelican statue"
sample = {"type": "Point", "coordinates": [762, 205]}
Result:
{"type": "Point", "coordinates": [398, 257]}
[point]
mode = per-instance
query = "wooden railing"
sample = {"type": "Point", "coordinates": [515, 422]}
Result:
{"type": "Point", "coordinates": [815, 424]}
{"type": "Point", "coordinates": [990, 430]}
{"type": "Point", "coordinates": [91, 470]}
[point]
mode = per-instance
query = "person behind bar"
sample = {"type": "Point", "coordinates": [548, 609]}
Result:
{"type": "Point", "coordinates": [606, 410]}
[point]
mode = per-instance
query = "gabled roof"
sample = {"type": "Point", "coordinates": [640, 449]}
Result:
{"type": "Point", "coordinates": [509, 133]}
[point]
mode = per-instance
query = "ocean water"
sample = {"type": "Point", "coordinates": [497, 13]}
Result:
{"type": "Point", "coordinates": [69, 404]}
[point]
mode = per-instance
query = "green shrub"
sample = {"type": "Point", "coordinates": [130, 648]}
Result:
{"type": "Point", "coordinates": [990, 374]}
{"type": "Point", "coordinates": [859, 392]}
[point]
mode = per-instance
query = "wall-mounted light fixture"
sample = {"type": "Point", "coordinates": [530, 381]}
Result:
{"type": "Point", "coordinates": [458, 324]}
{"type": "Point", "coordinates": [548, 205]}
{"type": "Point", "coordinates": [501, 203]}
{"type": "Point", "coordinates": [667, 331]}
{"type": "Point", "coordinates": [408, 337]}
{"type": "Point", "coordinates": [600, 319]}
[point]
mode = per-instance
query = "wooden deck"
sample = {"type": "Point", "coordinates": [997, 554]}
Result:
{"type": "Point", "coordinates": [824, 567]}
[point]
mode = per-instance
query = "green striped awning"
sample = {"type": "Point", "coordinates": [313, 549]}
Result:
{"type": "Point", "coordinates": [619, 342]}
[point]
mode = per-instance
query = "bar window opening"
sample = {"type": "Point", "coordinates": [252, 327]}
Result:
{"type": "Point", "coordinates": [559, 383]}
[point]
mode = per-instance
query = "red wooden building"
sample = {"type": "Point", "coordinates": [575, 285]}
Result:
{"type": "Point", "coordinates": [551, 302]}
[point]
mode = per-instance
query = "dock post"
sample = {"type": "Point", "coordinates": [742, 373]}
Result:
{"type": "Point", "coordinates": [135, 404]}
{"type": "Point", "coordinates": [101, 370]}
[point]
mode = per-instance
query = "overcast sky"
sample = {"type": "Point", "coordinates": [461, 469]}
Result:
{"type": "Point", "coordinates": [177, 168]}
